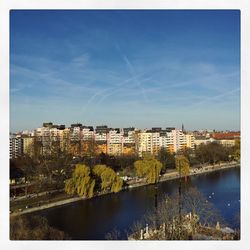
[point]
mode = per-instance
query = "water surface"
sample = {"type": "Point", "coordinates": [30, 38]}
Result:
{"type": "Point", "coordinates": [93, 219]}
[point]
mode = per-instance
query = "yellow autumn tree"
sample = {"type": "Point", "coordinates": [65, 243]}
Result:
{"type": "Point", "coordinates": [182, 165]}
{"type": "Point", "coordinates": [81, 182]}
{"type": "Point", "coordinates": [109, 179]}
{"type": "Point", "coordinates": [148, 168]}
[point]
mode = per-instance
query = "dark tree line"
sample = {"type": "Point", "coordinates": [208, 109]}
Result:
{"type": "Point", "coordinates": [34, 228]}
{"type": "Point", "coordinates": [214, 153]}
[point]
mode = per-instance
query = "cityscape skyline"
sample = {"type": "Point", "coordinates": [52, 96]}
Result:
{"type": "Point", "coordinates": [125, 68]}
{"type": "Point", "coordinates": [68, 125]}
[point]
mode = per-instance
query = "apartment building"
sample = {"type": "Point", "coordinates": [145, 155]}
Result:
{"type": "Point", "coordinates": [75, 132]}
{"type": "Point", "coordinates": [171, 139]}
{"type": "Point", "coordinates": [167, 141]}
{"type": "Point", "coordinates": [100, 134]}
{"type": "Point", "coordinates": [190, 141]}
{"type": "Point", "coordinates": [87, 133]}
{"type": "Point", "coordinates": [28, 143]}
{"type": "Point", "coordinates": [15, 146]}
{"type": "Point", "coordinates": [227, 142]}
{"type": "Point", "coordinates": [129, 141]}
{"type": "Point", "coordinates": [114, 141]}
{"type": "Point", "coordinates": [179, 140]}
{"type": "Point", "coordinates": [144, 142]}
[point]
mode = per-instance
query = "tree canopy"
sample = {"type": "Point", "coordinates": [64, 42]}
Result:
{"type": "Point", "coordinates": [236, 153]}
{"type": "Point", "coordinates": [148, 168]}
{"type": "Point", "coordinates": [182, 165]}
{"type": "Point", "coordinates": [33, 227]}
{"type": "Point", "coordinates": [81, 182]}
{"type": "Point", "coordinates": [166, 158]}
{"type": "Point", "coordinates": [109, 179]}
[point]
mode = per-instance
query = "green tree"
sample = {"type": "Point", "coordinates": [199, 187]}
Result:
{"type": "Point", "coordinates": [148, 168]}
{"type": "Point", "coordinates": [212, 152]}
{"type": "Point", "coordinates": [182, 165]}
{"type": "Point", "coordinates": [216, 152]}
{"type": "Point", "coordinates": [201, 153]}
{"type": "Point", "coordinates": [109, 179]}
{"type": "Point", "coordinates": [166, 158]}
{"type": "Point", "coordinates": [236, 152]}
{"type": "Point", "coordinates": [81, 182]}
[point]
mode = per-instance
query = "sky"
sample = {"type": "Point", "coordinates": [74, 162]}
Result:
{"type": "Point", "coordinates": [140, 68]}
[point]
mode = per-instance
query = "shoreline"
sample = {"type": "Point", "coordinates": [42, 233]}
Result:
{"type": "Point", "coordinates": [168, 176]}
{"type": "Point", "coordinates": [174, 175]}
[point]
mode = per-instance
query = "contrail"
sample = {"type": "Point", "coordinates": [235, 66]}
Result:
{"type": "Point", "coordinates": [102, 92]}
{"type": "Point", "coordinates": [213, 98]}
{"type": "Point", "coordinates": [118, 89]}
{"type": "Point", "coordinates": [132, 71]}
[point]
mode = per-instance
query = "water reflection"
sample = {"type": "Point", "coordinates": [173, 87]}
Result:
{"type": "Point", "coordinates": [93, 219]}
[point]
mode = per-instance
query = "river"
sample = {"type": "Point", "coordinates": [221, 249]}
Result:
{"type": "Point", "coordinates": [92, 219]}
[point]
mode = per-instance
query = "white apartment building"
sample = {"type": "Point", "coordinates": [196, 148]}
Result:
{"type": "Point", "coordinates": [156, 142]}
{"type": "Point", "coordinates": [190, 141]}
{"type": "Point", "coordinates": [75, 133]}
{"type": "Point", "coordinates": [167, 141]}
{"type": "Point", "coordinates": [227, 142]}
{"type": "Point", "coordinates": [15, 146]}
{"type": "Point", "coordinates": [144, 142]}
{"type": "Point", "coordinates": [87, 134]}
{"type": "Point", "coordinates": [179, 140]}
{"type": "Point", "coordinates": [27, 145]}
{"type": "Point", "coordinates": [152, 142]}
{"type": "Point", "coordinates": [130, 138]}
{"type": "Point", "coordinates": [114, 142]}
{"type": "Point", "coordinates": [117, 140]}
{"type": "Point", "coordinates": [100, 137]}
{"type": "Point", "coordinates": [114, 137]}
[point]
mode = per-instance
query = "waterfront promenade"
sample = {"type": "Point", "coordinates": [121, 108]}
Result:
{"type": "Point", "coordinates": [170, 175]}
{"type": "Point", "coordinates": [173, 174]}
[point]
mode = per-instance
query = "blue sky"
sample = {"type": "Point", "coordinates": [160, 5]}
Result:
{"type": "Point", "coordinates": [125, 68]}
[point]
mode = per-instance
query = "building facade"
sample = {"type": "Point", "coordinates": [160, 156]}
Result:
{"type": "Point", "coordinates": [78, 139]}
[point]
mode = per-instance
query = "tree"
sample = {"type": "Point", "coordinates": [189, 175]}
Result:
{"type": "Point", "coordinates": [196, 203]}
{"type": "Point", "coordinates": [109, 179]}
{"type": "Point", "coordinates": [15, 170]}
{"type": "Point", "coordinates": [216, 152]}
{"type": "Point", "coordinates": [182, 165]}
{"type": "Point", "coordinates": [34, 228]}
{"type": "Point", "coordinates": [75, 148]}
{"type": "Point", "coordinates": [54, 166]}
{"type": "Point", "coordinates": [212, 152]}
{"type": "Point", "coordinates": [81, 182]}
{"type": "Point", "coordinates": [167, 214]}
{"type": "Point", "coordinates": [201, 153]}
{"type": "Point", "coordinates": [236, 151]}
{"type": "Point", "coordinates": [148, 168]}
{"type": "Point", "coordinates": [90, 147]}
{"type": "Point", "coordinates": [166, 158]}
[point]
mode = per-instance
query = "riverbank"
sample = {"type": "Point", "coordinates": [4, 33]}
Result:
{"type": "Point", "coordinates": [171, 175]}
{"type": "Point", "coordinates": [168, 176]}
